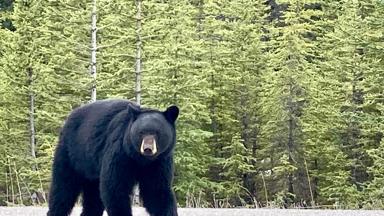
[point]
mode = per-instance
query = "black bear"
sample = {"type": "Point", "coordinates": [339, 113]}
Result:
{"type": "Point", "coordinates": [107, 147]}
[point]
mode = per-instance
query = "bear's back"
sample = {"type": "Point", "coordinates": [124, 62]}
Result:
{"type": "Point", "coordinates": [85, 132]}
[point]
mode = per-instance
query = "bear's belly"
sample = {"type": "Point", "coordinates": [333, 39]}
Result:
{"type": "Point", "coordinates": [86, 164]}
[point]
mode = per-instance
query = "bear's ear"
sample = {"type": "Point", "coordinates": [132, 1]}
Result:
{"type": "Point", "coordinates": [171, 114]}
{"type": "Point", "coordinates": [134, 110]}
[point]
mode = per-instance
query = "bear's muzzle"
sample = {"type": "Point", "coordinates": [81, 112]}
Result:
{"type": "Point", "coordinates": [148, 146]}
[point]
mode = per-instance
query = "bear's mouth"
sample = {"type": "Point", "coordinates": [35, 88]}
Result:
{"type": "Point", "coordinates": [148, 146]}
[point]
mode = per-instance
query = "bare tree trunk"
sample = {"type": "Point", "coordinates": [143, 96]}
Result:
{"type": "Point", "coordinates": [138, 70]}
{"type": "Point", "coordinates": [6, 185]}
{"type": "Point", "coordinates": [290, 145]}
{"type": "Point", "coordinates": [309, 183]}
{"type": "Point", "coordinates": [32, 131]}
{"type": "Point", "coordinates": [290, 152]}
{"type": "Point", "coordinates": [246, 137]}
{"type": "Point", "coordinates": [32, 134]}
{"type": "Point", "coordinates": [93, 51]}
{"type": "Point", "coordinates": [11, 181]}
{"type": "Point", "coordinates": [315, 181]}
{"type": "Point", "coordinates": [265, 189]}
{"type": "Point", "coordinates": [18, 183]}
{"type": "Point", "coordinates": [138, 64]}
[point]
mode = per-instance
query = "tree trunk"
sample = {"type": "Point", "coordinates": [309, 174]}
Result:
{"type": "Point", "coordinates": [290, 144]}
{"type": "Point", "coordinates": [244, 118]}
{"type": "Point", "coordinates": [138, 70]}
{"type": "Point", "coordinates": [11, 180]}
{"type": "Point", "coordinates": [309, 183]}
{"type": "Point", "coordinates": [32, 134]}
{"type": "Point", "coordinates": [315, 182]}
{"type": "Point", "coordinates": [138, 64]}
{"type": "Point", "coordinates": [93, 51]}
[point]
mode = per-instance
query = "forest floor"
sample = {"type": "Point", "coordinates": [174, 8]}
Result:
{"type": "Point", "coordinates": [41, 211]}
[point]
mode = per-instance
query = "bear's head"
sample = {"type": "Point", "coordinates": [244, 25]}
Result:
{"type": "Point", "coordinates": [152, 133]}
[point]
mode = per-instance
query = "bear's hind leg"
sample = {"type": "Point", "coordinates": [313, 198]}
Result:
{"type": "Point", "coordinates": [65, 187]}
{"type": "Point", "coordinates": [92, 204]}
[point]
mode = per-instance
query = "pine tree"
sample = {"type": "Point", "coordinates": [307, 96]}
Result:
{"type": "Point", "coordinates": [285, 98]}
{"type": "Point", "coordinates": [230, 36]}
{"type": "Point", "coordinates": [346, 59]}
{"type": "Point", "coordinates": [171, 75]}
{"type": "Point", "coordinates": [281, 101]}
{"type": "Point", "coordinates": [326, 163]}
{"type": "Point", "coordinates": [116, 49]}
{"type": "Point", "coordinates": [43, 81]}
{"type": "Point", "coordinates": [374, 103]}
{"type": "Point", "coordinates": [6, 7]}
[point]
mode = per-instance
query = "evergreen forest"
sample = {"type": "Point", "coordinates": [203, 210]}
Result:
{"type": "Point", "coordinates": [282, 101]}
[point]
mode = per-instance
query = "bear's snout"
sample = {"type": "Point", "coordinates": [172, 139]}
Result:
{"type": "Point", "coordinates": [148, 146]}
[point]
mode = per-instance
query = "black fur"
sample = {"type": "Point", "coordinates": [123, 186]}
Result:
{"type": "Point", "coordinates": [98, 155]}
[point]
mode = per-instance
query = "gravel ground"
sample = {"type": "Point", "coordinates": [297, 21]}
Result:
{"type": "Point", "coordinates": [40, 211]}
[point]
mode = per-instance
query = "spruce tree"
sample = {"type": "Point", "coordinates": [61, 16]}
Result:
{"type": "Point", "coordinates": [44, 81]}
{"type": "Point", "coordinates": [171, 75]}
{"type": "Point", "coordinates": [286, 95]}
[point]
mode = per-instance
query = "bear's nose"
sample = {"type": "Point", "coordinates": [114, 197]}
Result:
{"type": "Point", "coordinates": [147, 151]}
{"type": "Point", "coordinates": [148, 145]}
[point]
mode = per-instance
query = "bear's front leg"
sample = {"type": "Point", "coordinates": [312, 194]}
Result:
{"type": "Point", "coordinates": [155, 184]}
{"type": "Point", "coordinates": [116, 184]}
